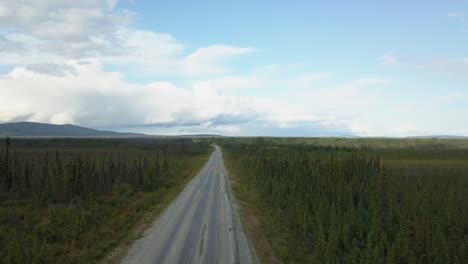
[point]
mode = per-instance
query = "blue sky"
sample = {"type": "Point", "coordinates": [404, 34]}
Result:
{"type": "Point", "coordinates": [295, 68]}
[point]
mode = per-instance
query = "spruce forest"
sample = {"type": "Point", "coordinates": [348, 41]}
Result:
{"type": "Point", "coordinates": [320, 203]}
{"type": "Point", "coordinates": [73, 200]}
{"type": "Point", "coordinates": [313, 200]}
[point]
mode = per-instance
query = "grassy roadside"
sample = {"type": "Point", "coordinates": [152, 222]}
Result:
{"type": "Point", "coordinates": [258, 224]}
{"type": "Point", "coordinates": [153, 210]}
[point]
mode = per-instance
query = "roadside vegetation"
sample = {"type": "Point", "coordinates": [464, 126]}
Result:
{"type": "Point", "coordinates": [74, 200]}
{"type": "Point", "coordinates": [366, 201]}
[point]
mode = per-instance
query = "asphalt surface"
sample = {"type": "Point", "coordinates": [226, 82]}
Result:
{"type": "Point", "coordinates": [200, 226]}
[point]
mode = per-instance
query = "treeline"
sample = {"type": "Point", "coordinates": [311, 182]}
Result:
{"type": "Point", "coordinates": [71, 200]}
{"type": "Point", "coordinates": [49, 171]}
{"type": "Point", "coordinates": [349, 205]}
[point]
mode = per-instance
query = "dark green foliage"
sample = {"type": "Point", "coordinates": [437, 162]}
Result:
{"type": "Point", "coordinates": [71, 200]}
{"type": "Point", "coordinates": [359, 205]}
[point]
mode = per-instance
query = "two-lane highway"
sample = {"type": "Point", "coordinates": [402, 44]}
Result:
{"type": "Point", "coordinates": [201, 226]}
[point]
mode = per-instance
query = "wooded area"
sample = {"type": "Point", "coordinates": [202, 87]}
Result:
{"type": "Point", "coordinates": [71, 200]}
{"type": "Point", "coordinates": [325, 204]}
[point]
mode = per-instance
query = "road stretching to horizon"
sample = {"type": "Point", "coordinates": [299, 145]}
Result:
{"type": "Point", "coordinates": [200, 226]}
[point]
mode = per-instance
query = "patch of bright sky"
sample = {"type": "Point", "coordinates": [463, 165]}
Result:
{"type": "Point", "coordinates": [343, 38]}
{"type": "Point", "coordinates": [5, 69]}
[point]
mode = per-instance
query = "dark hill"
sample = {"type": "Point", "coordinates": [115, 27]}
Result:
{"type": "Point", "coordinates": [31, 129]}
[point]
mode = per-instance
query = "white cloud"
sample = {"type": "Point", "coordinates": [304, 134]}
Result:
{"type": "Point", "coordinates": [51, 69]}
{"type": "Point", "coordinates": [54, 31]}
{"type": "Point", "coordinates": [266, 78]}
{"type": "Point", "coordinates": [450, 98]}
{"type": "Point", "coordinates": [445, 65]}
{"type": "Point", "coordinates": [457, 15]}
{"type": "Point", "coordinates": [389, 129]}
{"type": "Point", "coordinates": [363, 83]}
{"type": "Point", "coordinates": [306, 80]}
{"type": "Point", "coordinates": [82, 93]}
{"type": "Point", "coordinates": [434, 65]}
{"type": "Point", "coordinates": [147, 51]}
{"type": "Point", "coordinates": [341, 105]}
{"type": "Point", "coordinates": [70, 28]}
{"type": "Point", "coordinates": [234, 82]}
{"type": "Point", "coordinates": [323, 108]}
{"type": "Point", "coordinates": [389, 60]}
{"type": "Point", "coordinates": [206, 60]}
{"type": "Point", "coordinates": [401, 130]}
{"type": "Point", "coordinates": [89, 96]}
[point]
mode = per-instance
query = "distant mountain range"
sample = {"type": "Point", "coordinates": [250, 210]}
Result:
{"type": "Point", "coordinates": [200, 136]}
{"type": "Point", "coordinates": [31, 129]}
{"type": "Point", "coordinates": [440, 137]}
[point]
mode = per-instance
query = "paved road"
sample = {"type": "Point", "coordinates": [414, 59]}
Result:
{"type": "Point", "coordinates": [200, 226]}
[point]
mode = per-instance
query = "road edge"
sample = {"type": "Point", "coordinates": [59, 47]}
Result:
{"type": "Point", "coordinates": [237, 220]}
{"type": "Point", "coordinates": [249, 220]}
{"type": "Point", "coordinates": [139, 229]}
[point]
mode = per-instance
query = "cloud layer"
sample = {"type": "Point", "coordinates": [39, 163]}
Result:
{"type": "Point", "coordinates": [59, 51]}
{"type": "Point", "coordinates": [83, 62]}
{"type": "Point", "coordinates": [81, 92]}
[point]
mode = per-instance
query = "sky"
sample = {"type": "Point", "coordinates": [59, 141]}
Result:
{"type": "Point", "coordinates": [238, 68]}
